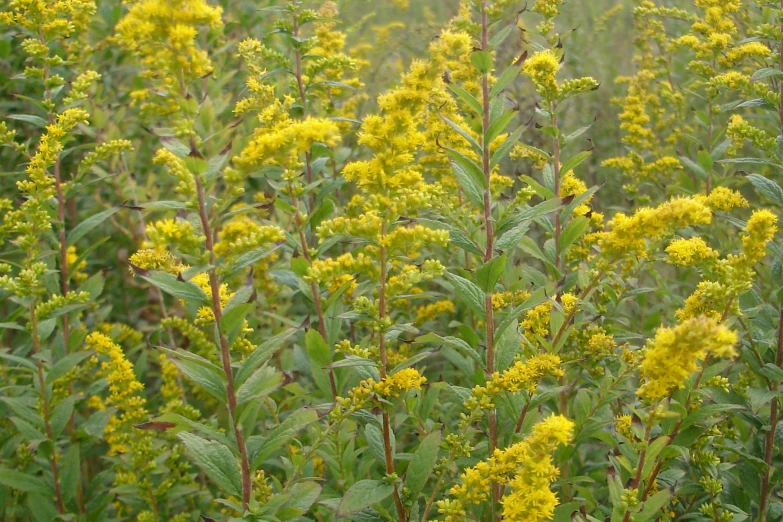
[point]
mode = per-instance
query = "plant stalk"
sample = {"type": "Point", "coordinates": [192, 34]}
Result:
{"type": "Point", "coordinates": [769, 443]}
{"type": "Point", "coordinates": [45, 404]}
{"type": "Point", "coordinates": [225, 354]}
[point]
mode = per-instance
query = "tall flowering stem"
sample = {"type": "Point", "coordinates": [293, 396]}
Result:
{"type": "Point", "coordinates": [488, 305]}
{"type": "Point", "coordinates": [225, 354]}
{"type": "Point", "coordinates": [45, 405]}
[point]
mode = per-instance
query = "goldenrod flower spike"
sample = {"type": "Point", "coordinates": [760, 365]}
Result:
{"type": "Point", "coordinates": [526, 467]}
{"type": "Point", "coordinates": [675, 352]}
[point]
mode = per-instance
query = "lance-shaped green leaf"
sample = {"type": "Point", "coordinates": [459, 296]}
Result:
{"type": "Point", "coordinates": [185, 290]}
{"type": "Point", "coordinates": [80, 230]}
{"type": "Point", "coordinates": [487, 276]}
{"type": "Point", "coordinates": [462, 132]}
{"type": "Point", "coordinates": [469, 176]}
{"type": "Point", "coordinates": [506, 146]}
{"type": "Point", "coordinates": [263, 382]}
{"type": "Point", "coordinates": [215, 460]}
{"type": "Point", "coordinates": [363, 494]}
{"type": "Point", "coordinates": [422, 464]}
{"type": "Point", "coordinates": [468, 292]}
{"type": "Point", "coordinates": [466, 97]}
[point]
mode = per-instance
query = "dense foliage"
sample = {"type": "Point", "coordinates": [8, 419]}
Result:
{"type": "Point", "coordinates": [391, 261]}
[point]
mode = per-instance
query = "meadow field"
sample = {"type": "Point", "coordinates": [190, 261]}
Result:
{"type": "Point", "coordinates": [391, 261]}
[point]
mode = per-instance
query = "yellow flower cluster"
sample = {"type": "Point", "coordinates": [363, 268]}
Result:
{"type": "Point", "coordinates": [734, 274]}
{"type": "Point", "coordinates": [690, 252]}
{"type": "Point", "coordinates": [174, 234]}
{"type": "Point", "coordinates": [391, 387]}
{"type": "Point", "coordinates": [743, 83]}
{"type": "Point", "coordinates": [722, 198]}
{"type": "Point", "coordinates": [504, 299]}
{"type": "Point", "coordinates": [628, 235]}
{"type": "Point", "coordinates": [740, 131]}
{"type": "Point", "coordinates": [526, 467]}
{"type": "Point", "coordinates": [522, 376]}
{"type": "Point", "coordinates": [163, 34]}
{"type": "Point", "coordinates": [434, 310]}
{"type": "Point", "coordinates": [124, 393]}
{"type": "Point", "coordinates": [714, 33]}
{"type": "Point", "coordinates": [674, 353]}
{"type": "Point", "coordinates": [156, 259]}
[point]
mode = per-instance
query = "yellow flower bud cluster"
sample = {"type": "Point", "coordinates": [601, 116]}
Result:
{"type": "Point", "coordinates": [526, 467]}
{"type": "Point", "coordinates": [628, 235]}
{"type": "Point", "coordinates": [690, 252]}
{"type": "Point", "coordinates": [124, 393]}
{"type": "Point", "coordinates": [740, 131]}
{"type": "Point", "coordinates": [733, 275]}
{"type": "Point", "coordinates": [163, 35]}
{"type": "Point", "coordinates": [522, 376]}
{"type": "Point", "coordinates": [504, 299]}
{"type": "Point", "coordinates": [675, 352]}
{"type": "Point", "coordinates": [174, 234]}
{"type": "Point", "coordinates": [386, 389]}
{"type": "Point", "coordinates": [434, 311]}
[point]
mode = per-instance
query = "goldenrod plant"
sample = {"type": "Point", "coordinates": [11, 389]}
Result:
{"type": "Point", "coordinates": [465, 260]}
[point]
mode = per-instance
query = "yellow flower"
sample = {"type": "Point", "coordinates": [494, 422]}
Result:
{"type": "Point", "coordinates": [628, 235]}
{"type": "Point", "coordinates": [675, 352]}
{"type": "Point", "coordinates": [124, 391]}
{"type": "Point", "coordinates": [688, 252]}
{"type": "Point", "coordinates": [542, 69]}
{"type": "Point", "coordinates": [162, 34]}
{"type": "Point", "coordinates": [526, 467]}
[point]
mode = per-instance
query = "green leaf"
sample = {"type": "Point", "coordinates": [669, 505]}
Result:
{"type": "Point", "coordinates": [362, 495]}
{"type": "Point", "coordinates": [652, 506]}
{"type": "Point", "coordinates": [510, 239]}
{"type": "Point", "coordinates": [469, 176]}
{"type": "Point", "coordinates": [771, 371]}
{"type": "Point", "coordinates": [468, 292]}
{"type": "Point", "coordinates": [572, 232]}
{"type": "Point", "coordinates": [574, 162]}
{"type": "Point", "coordinates": [320, 357]}
{"type": "Point", "coordinates": [263, 382]}
{"type": "Point", "coordinates": [282, 434]}
{"type": "Point", "coordinates": [325, 210]}
{"type": "Point", "coordinates": [80, 230]}
{"type": "Point", "coordinates": [653, 450]}
{"type": "Point", "coordinates": [200, 371]}
{"type": "Point", "coordinates": [70, 467]}
{"type": "Point", "coordinates": [498, 126]}
{"type": "Point", "coordinates": [29, 118]}
{"type": "Point", "coordinates": [66, 364]}
{"type": "Point", "coordinates": [769, 188]}
{"type": "Point", "coordinates": [375, 442]}
{"type": "Point", "coordinates": [61, 414]}
{"type": "Point", "coordinates": [215, 460]}
{"type": "Point", "coordinates": [422, 464]}
{"type": "Point", "coordinates": [185, 290]}
{"type": "Point", "coordinates": [231, 323]}
{"type": "Point", "coordinates": [508, 76]}
{"type": "Point", "coordinates": [501, 35]}
{"type": "Point", "coordinates": [303, 495]}
{"type": "Point", "coordinates": [506, 146]}
{"type": "Point", "coordinates": [465, 134]}
{"type": "Point", "coordinates": [705, 160]}
{"type": "Point", "coordinates": [487, 276]}
{"type": "Point", "coordinates": [23, 482]}
{"type": "Point", "coordinates": [163, 205]}
{"type": "Point", "coordinates": [249, 258]}
{"type": "Point", "coordinates": [482, 61]}
{"type": "Point", "coordinates": [466, 97]}
{"type": "Point", "coordinates": [261, 354]}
